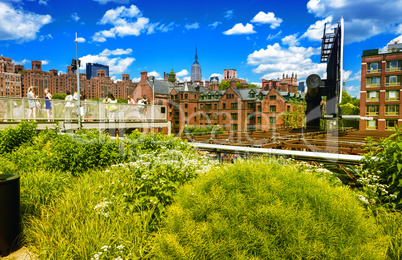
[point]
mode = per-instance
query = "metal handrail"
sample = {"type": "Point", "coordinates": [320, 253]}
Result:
{"type": "Point", "coordinates": [17, 109]}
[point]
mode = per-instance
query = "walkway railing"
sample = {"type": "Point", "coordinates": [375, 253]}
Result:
{"type": "Point", "coordinates": [16, 109]}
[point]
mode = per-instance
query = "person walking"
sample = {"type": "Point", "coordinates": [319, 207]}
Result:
{"type": "Point", "coordinates": [111, 107]}
{"type": "Point", "coordinates": [68, 108]}
{"type": "Point", "coordinates": [48, 104]}
{"type": "Point", "coordinates": [31, 103]}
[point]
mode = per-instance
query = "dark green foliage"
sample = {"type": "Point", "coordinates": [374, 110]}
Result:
{"type": "Point", "coordinates": [122, 100]}
{"type": "Point", "coordinates": [198, 131]}
{"type": "Point", "coordinates": [262, 210]}
{"type": "Point", "coordinates": [11, 138]}
{"type": "Point", "coordinates": [61, 96]}
{"type": "Point", "coordinates": [382, 170]}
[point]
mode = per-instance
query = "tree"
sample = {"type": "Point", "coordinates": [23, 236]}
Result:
{"type": "Point", "coordinates": [349, 106]}
{"type": "Point", "coordinates": [295, 116]}
{"type": "Point", "coordinates": [224, 84]}
{"type": "Point", "coordinates": [61, 96]}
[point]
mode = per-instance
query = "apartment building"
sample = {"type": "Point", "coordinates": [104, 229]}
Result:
{"type": "Point", "coordinates": [381, 72]}
{"type": "Point", "coordinates": [232, 109]}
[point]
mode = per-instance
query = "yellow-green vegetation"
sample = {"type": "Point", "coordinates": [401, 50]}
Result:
{"type": "Point", "coordinates": [87, 196]}
{"type": "Point", "coordinates": [263, 210]}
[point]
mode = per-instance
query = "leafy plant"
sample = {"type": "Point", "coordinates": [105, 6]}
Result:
{"type": "Point", "coordinates": [382, 170]}
{"type": "Point", "coordinates": [264, 210]}
{"type": "Point", "coordinates": [11, 138]}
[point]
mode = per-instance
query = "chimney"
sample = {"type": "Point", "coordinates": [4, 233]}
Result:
{"type": "Point", "coordinates": [144, 76]}
{"type": "Point", "coordinates": [126, 77]}
{"type": "Point", "coordinates": [233, 83]}
{"type": "Point", "coordinates": [207, 84]}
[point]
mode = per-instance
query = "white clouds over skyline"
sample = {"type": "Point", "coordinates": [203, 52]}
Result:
{"type": "Point", "coordinates": [128, 21]}
{"type": "Point", "coordinates": [275, 60]}
{"type": "Point", "coordinates": [240, 29]}
{"type": "Point", "coordinates": [19, 24]}
{"type": "Point", "coordinates": [117, 65]}
{"type": "Point", "coordinates": [267, 18]}
{"type": "Point", "coordinates": [363, 18]}
{"type": "Point", "coordinates": [190, 26]}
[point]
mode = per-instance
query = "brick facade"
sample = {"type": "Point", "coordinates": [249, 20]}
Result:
{"type": "Point", "coordinates": [380, 94]}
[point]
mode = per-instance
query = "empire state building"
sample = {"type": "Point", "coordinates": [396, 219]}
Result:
{"type": "Point", "coordinates": [196, 69]}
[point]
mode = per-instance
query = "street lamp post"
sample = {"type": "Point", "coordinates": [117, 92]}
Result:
{"type": "Point", "coordinates": [152, 79]}
{"type": "Point", "coordinates": [78, 82]}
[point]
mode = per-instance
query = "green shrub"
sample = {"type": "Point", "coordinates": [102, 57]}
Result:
{"type": "Point", "coordinates": [112, 213]}
{"type": "Point", "coordinates": [381, 174]}
{"type": "Point", "coordinates": [263, 210]}
{"type": "Point", "coordinates": [13, 137]}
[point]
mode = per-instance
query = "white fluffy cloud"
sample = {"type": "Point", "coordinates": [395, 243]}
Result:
{"type": "Point", "coordinates": [291, 40]}
{"type": "Point", "coordinates": [273, 61]}
{"type": "Point", "coordinates": [20, 25]}
{"type": "Point", "coordinates": [267, 18]}
{"type": "Point", "coordinates": [190, 26]}
{"type": "Point", "coordinates": [240, 29]}
{"type": "Point", "coordinates": [117, 52]}
{"type": "Point", "coordinates": [117, 65]}
{"type": "Point", "coordinates": [363, 18]}
{"type": "Point", "coordinates": [215, 24]}
{"type": "Point", "coordinates": [80, 39]}
{"type": "Point", "coordinates": [127, 21]}
{"type": "Point", "coordinates": [154, 73]}
{"type": "Point", "coordinates": [220, 76]}
{"type": "Point", "coordinates": [75, 17]}
{"type": "Point", "coordinates": [182, 73]}
{"type": "Point", "coordinates": [316, 30]}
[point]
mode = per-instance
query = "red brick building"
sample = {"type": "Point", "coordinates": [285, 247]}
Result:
{"type": "Point", "coordinates": [285, 84]}
{"type": "Point", "coordinates": [380, 88]}
{"type": "Point", "coordinates": [10, 82]}
{"type": "Point", "coordinates": [232, 109]}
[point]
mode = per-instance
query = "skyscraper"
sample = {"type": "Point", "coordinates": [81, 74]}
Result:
{"type": "Point", "coordinates": [92, 69]}
{"type": "Point", "coordinates": [196, 69]}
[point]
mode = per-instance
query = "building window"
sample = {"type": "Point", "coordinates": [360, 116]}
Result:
{"type": "Point", "coordinates": [185, 114]}
{"type": "Point", "coordinates": [251, 95]}
{"type": "Point", "coordinates": [272, 120]}
{"type": "Point", "coordinates": [207, 106]}
{"type": "Point", "coordinates": [233, 116]}
{"type": "Point", "coordinates": [186, 96]}
{"type": "Point", "coordinates": [392, 81]}
{"type": "Point", "coordinates": [259, 108]}
{"type": "Point", "coordinates": [195, 109]}
{"type": "Point", "coordinates": [393, 65]}
{"type": "Point", "coordinates": [272, 97]}
{"type": "Point", "coordinates": [209, 96]}
{"type": "Point", "coordinates": [372, 110]}
{"type": "Point", "coordinates": [250, 105]}
{"type": "Point", "coordinates": [258, 120]}
{"type": "Point", "coordinates": [223, 106]}
{"type": "Point", "coordinates": [233, 127]}
{"type": "Point", "coordinates": [374, 67]}
{"type": "Point", "coordinates": [216, 96]}
{"type": "Point", "coordinates": [185, 105]}
{"type": "Point", "coordinates": [202, 97]}
{"type": "Point", "coordinates": [392, 95]}
{"type": "Point", "coordinates": [272, 109]}
{"type": "Point", "coordinates": [234, 105]}
{"type": "Point", "coordinates": [371, 125]}
{"type": "Point", "coordinates": [215, 106]}
{"type": "Point", "coordinates": [392, 110]}
{"type": "Point", "coordinates": [208, 116]}
{"type": "Point", "coordinates": [215, 116]}
{"type": "Point", "coordinates": [373, 81]}
{"type": "Point", "coordinates": [224, 126]}
{"type": "Point", "coordinates": [390, 125]}
{"type": "Point", "coordinates": [373, 95]}
{"type": "Point", "coordinates": [201, 106]}
{"type": "Point", "coordinates": [224, 116]}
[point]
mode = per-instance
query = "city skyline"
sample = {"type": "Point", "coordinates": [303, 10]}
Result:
{"type": "Point", "coordinates": [264, 41]}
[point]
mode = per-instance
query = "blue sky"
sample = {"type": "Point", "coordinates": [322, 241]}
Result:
{"type": "Point", "coordinates": [258, 38]}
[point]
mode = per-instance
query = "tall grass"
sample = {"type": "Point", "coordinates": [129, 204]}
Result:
{"type": "Point", "coordinates": [263, 210]}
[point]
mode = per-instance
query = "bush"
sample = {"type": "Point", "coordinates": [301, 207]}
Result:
{"type": "Point", "coordinates": [263, 210]}
{"type": "Point", "coordinates": [12, 138]}
{"type": "Point", "coordinates": [111, 213]}
{"type": "Point", "coordinates": [382, 171]}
